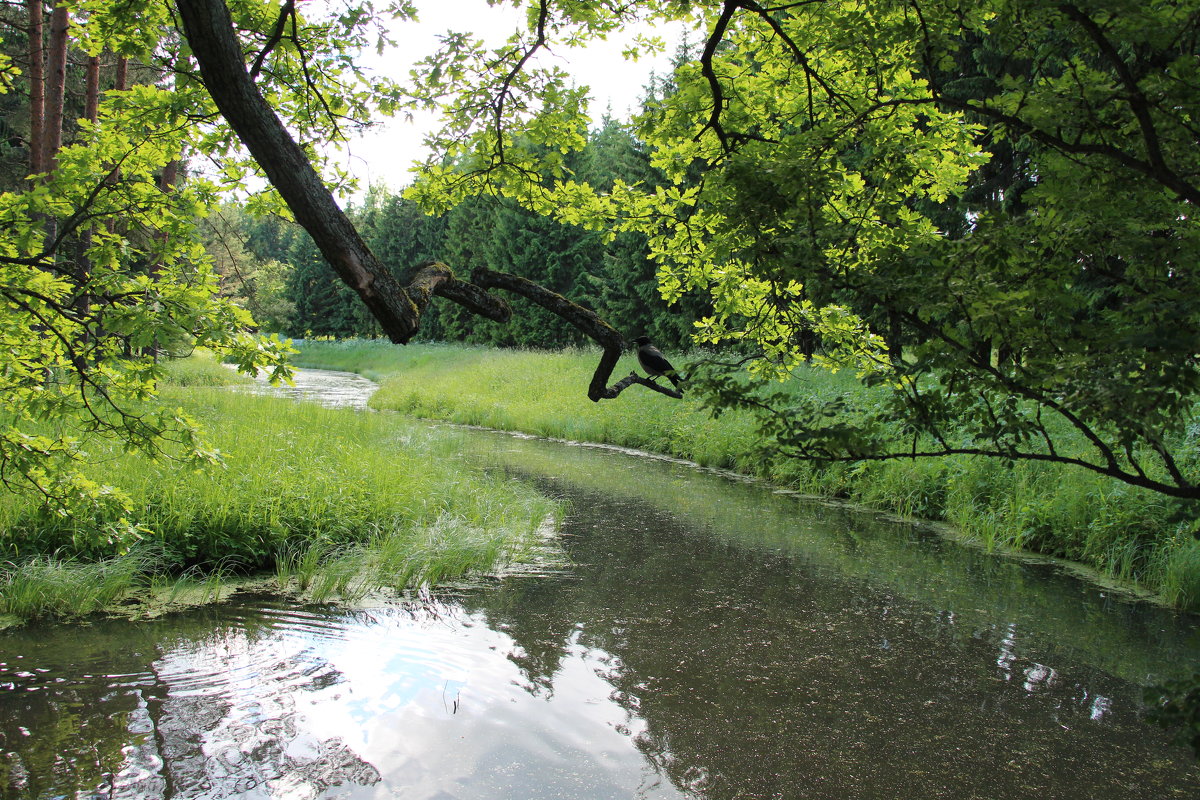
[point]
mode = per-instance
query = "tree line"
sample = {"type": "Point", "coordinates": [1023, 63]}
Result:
{"type": "Point", "coordinates": [273, 268]}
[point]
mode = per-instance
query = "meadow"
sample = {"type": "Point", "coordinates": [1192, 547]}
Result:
{"type": "Point", "coordinates": [1136, 537]}
{"type": "Point", "coordinates": [326, 501]}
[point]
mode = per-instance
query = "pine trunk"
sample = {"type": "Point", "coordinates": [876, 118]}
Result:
{"type": "Point", "coordinates": [56, 84]}
{"type": "Point", "coordinates": [91, 99]}
{"type": "Point", "coordinates": [37, 88]}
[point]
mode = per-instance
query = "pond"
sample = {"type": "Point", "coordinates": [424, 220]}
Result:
{"type": "Point", "coordinates": [707, 638]}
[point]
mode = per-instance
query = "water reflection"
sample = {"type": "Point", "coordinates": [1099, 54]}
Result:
{"type": "Point", "coordinates": [252, 700]}
{"type": "Point", "coordinates": [710, 640]}
{"type": "Point", "coordinates": [328, 387]}
{"type": "Point", "coordinates": [758, 676]}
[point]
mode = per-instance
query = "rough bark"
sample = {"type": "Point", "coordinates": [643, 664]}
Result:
{"type": "Point", "coordinates": [209, 30]}
{"type": "Point", "coordinates": [398, 308]}
{"type": "Point", "coordinates": [56, 84]}
{"type": "Point", "coordinates": [37, 88]}
{"type": "Point", "coordinates": [91, 97]}
{"type": "Point", "coordinates": [170, 176]}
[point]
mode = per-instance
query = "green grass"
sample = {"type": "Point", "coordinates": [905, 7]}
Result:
{"type": "Point", "coordinates": [202, 369]}
{"type": "Point", "coordinates": [538, 392]}
{"type": "Point", "coordinates": [387, 503]}
{"type": "Point", "coordinates": [43, 586]}
{"type": "Point", "coordinates": [1132, 535]}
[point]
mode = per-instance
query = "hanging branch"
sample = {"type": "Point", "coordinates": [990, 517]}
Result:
{"type": "Point", "coordinates": [287, 11]}
{"type": "Point", "coordinates": [585, 320]}
{"type": "Point", "coordinates": [398, 308]}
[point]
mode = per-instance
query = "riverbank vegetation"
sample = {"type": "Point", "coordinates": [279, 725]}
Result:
{"type": "Point", "coordinates": [1133, 535]}
{"type": "Point", "coordinates": [331, 501]}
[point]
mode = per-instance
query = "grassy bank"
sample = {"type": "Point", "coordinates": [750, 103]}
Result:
{"type": "Point", "coordinates": [1126, 533]}
{"type": "Point", "coordinates": [331, 501]}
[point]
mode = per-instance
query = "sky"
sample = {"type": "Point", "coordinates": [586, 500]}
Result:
{"type": "Point", "coordinates": [384, 155]}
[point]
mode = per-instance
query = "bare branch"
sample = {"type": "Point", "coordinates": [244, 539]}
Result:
{"type": "Point", "coordinates": [632, 378]}
{"type": "Point", "coordinates": [506, 86]}
{"type": "Point", "coordinates": [288, 10]}
{"type": "Point", "coordinates": [583, 319]}
{"type": "Point", "coordinates": [1138, 103]}
{"type": "Point", "coordinates": [714, 82]}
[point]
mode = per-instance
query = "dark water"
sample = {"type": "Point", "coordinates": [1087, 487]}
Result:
{"type": "Point", "coordinates": [710, 639]}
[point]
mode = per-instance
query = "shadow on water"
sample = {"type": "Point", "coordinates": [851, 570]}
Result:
{"type": "Point", "coordinates": [711, 639]}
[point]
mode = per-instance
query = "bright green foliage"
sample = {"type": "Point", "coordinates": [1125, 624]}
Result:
{"type": "Point", "coordinates": [85, 315]}
{"type": "Point", "coordinates": [102, 273]}
{"type": "Point", "coordinates": [984, 206]}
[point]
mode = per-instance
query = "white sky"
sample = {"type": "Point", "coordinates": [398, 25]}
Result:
{"type": "Point", "coordinates": [385, 155]}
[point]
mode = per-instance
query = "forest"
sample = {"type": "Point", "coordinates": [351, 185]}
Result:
{"type": "Point", "coordinates": [878, 235]}
{"type": "Point", "coordinates": [273, 268]}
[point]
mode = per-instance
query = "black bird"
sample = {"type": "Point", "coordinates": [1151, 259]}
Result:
{"type": "Point", "coordinates": [653, 361]}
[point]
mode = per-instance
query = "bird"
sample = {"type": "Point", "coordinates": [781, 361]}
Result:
{"type": "Point", "coordinates": [653, 361]}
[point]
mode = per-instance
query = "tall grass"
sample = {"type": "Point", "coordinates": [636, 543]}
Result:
{"type": "Point", "coordinates": [298, 482]}
{"type": "Point", "coordinates": [44, 585]}
{"type": "Point", "coordinates": [1126, 533]}
{"type": "Point", "coordinates": [539, 392]}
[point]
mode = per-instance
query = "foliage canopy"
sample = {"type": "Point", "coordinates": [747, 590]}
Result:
{"type": "Point", "coordinates": [984, 206]}
{"type": "Point", "coordinates": [102, 273]}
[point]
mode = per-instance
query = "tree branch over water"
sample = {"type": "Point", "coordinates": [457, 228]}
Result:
{"type": "Point", "coordinates": [398, 307]}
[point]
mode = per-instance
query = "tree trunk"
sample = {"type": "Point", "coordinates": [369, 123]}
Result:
{"type": "Point", "coordinates": [83, 262]}
{"type": "Point", "coordinates": [91, 99]}
{"type": "Point", "coordinates": [37, 88]}
{"type": "Point", "coordinates": [120, 83]}
{"type": "Point", "coordinates": [170, 176]}
{"type": "Point", "coordinates": [209, 29]}
{"type": "Point", "coordinates": [56, 84]}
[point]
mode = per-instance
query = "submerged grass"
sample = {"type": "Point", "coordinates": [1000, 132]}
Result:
{"type": "Point", "coordinates": [1133, 535]}
{"type": "Point", "coordinates": [333, 501]}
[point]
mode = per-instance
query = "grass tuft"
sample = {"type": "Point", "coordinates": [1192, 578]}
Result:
{"type": "Point", "coordinates": [332, 501]}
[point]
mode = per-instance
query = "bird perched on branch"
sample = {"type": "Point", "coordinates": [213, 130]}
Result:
{"type": "Point", "coordinates": [653, 361]}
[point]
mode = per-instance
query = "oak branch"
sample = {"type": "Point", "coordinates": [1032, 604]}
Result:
{"type": "Point", "coordinates": [397, 306]}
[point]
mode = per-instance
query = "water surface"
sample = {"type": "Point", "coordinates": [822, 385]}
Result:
{"type": "Point", "coordinates": [711, 639]}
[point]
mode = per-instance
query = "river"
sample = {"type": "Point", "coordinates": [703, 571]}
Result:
{"type": "Point", "coordinates": [707, 638]}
